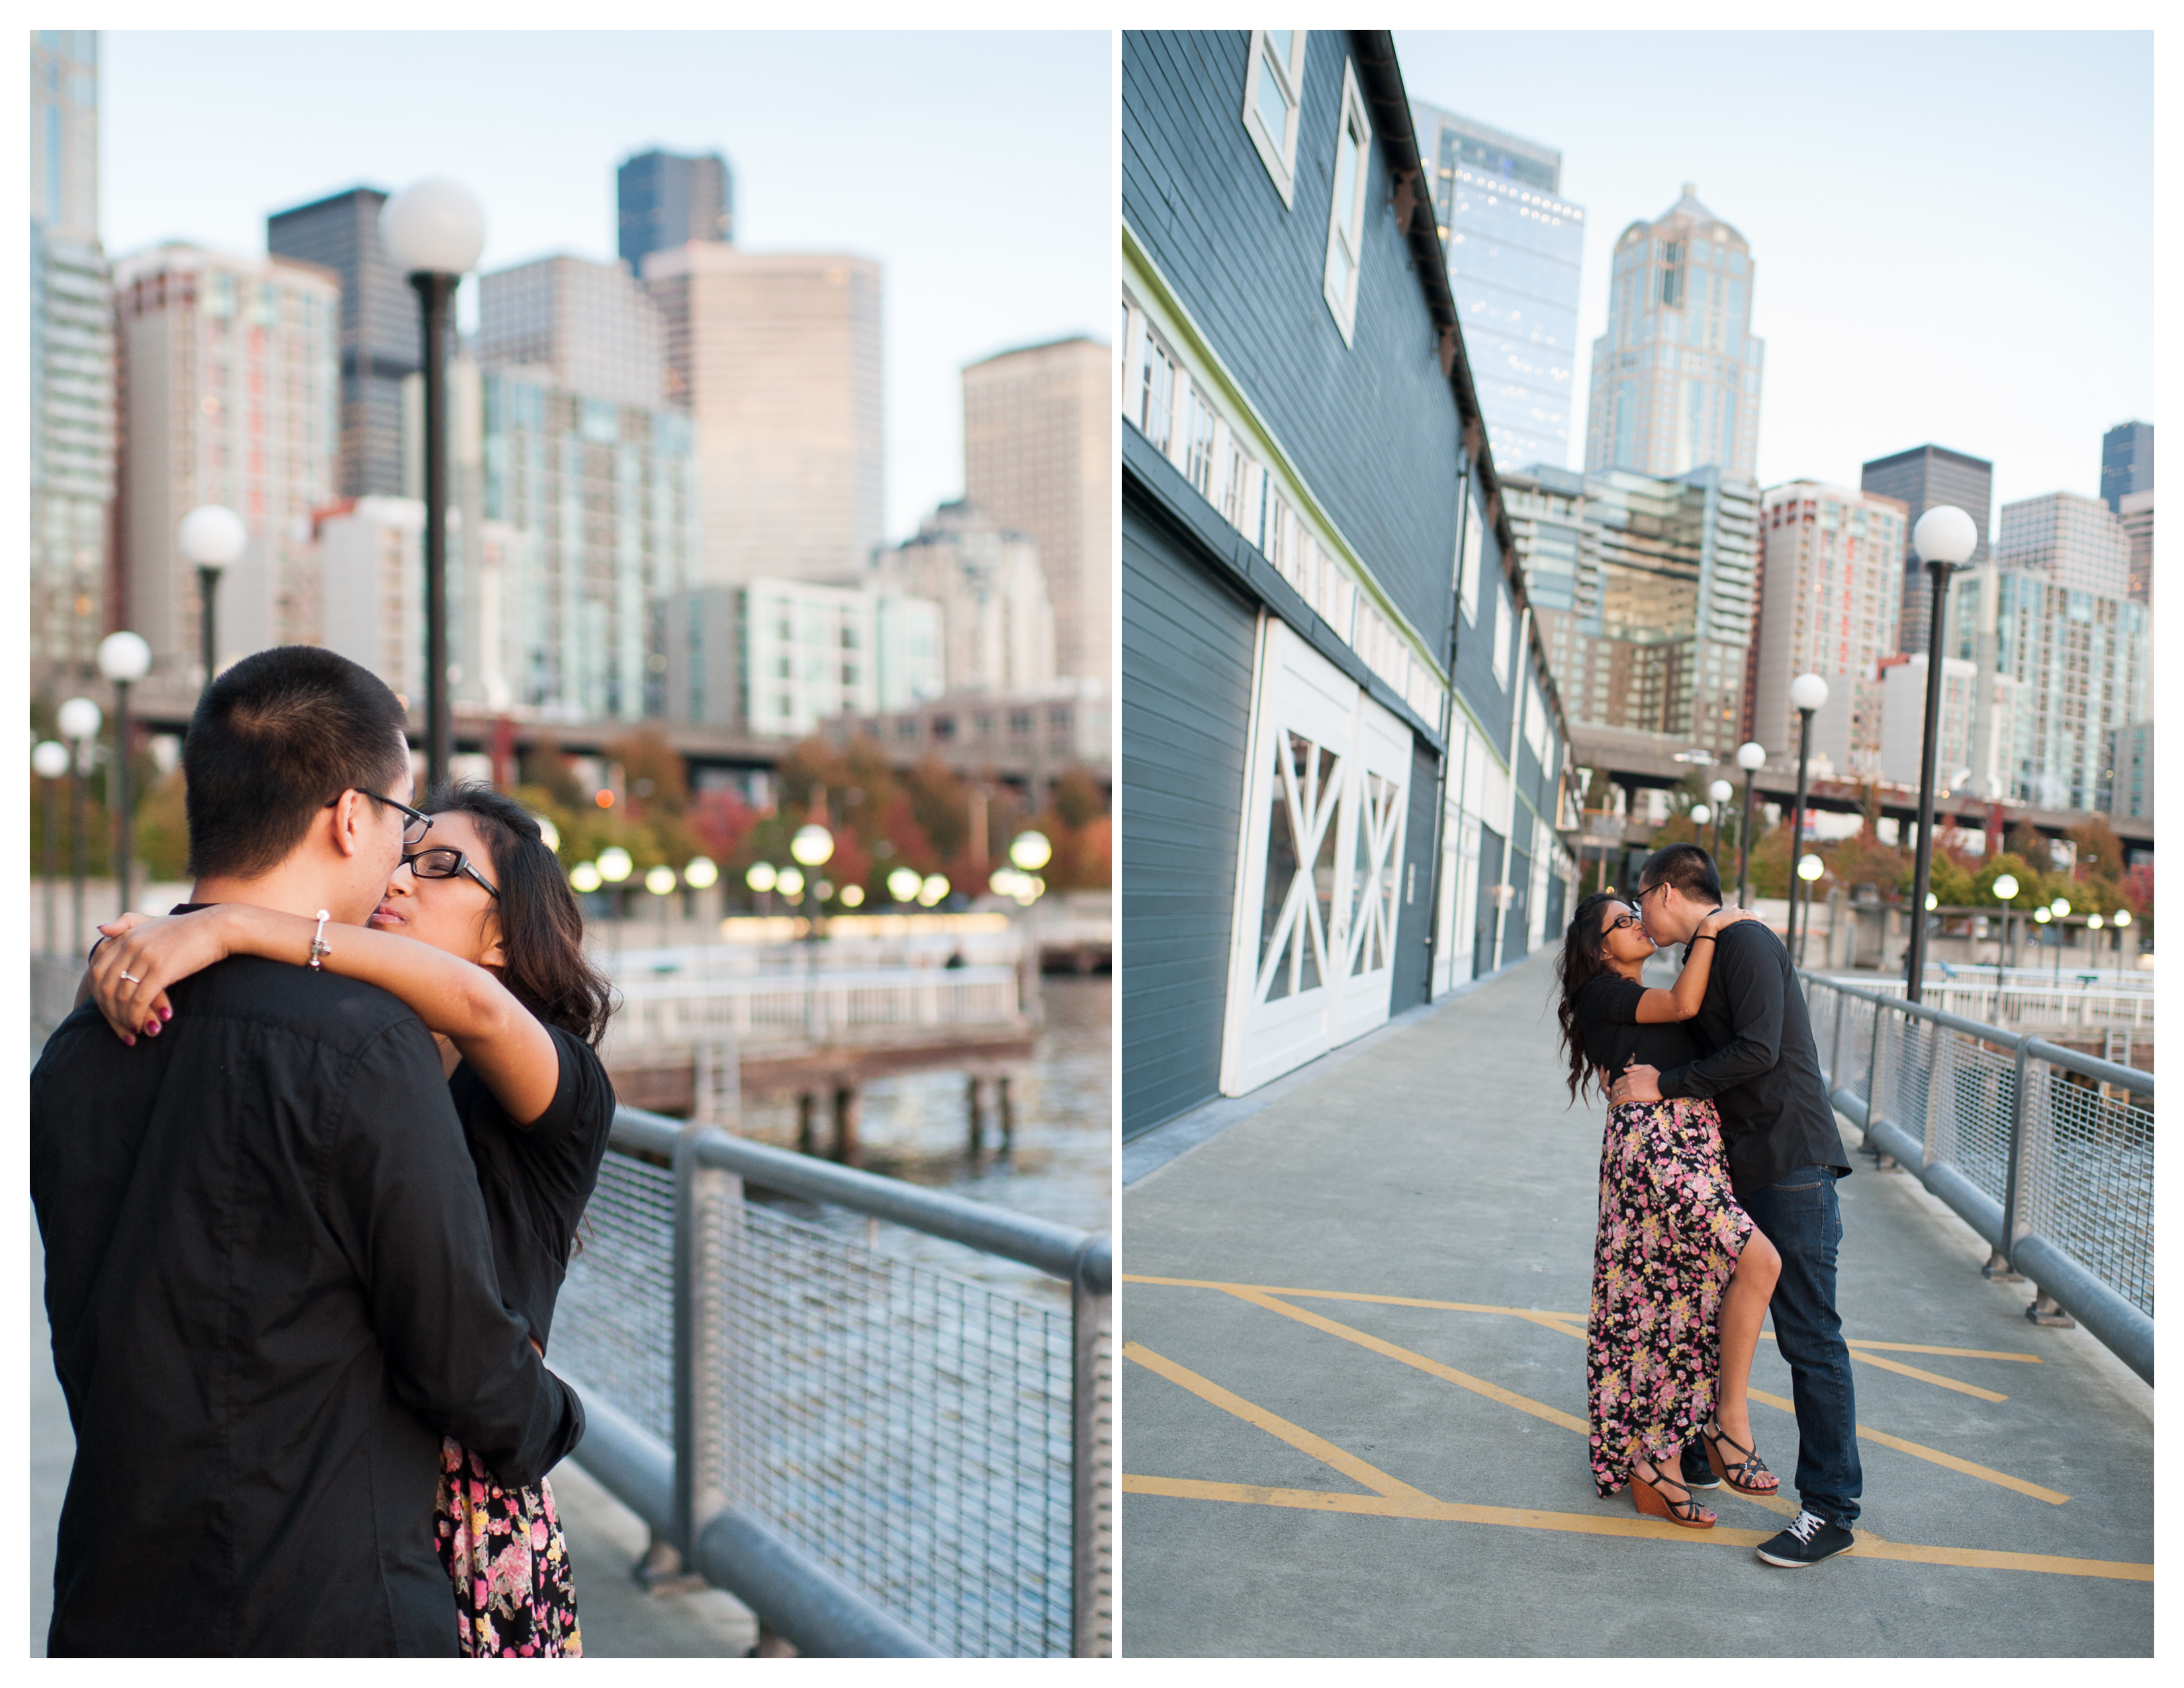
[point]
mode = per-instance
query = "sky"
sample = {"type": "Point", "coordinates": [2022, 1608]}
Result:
{"type": "Point", "coordinates": [976, 168]}
{"type": "Point", "coordinates": [1953, 232]}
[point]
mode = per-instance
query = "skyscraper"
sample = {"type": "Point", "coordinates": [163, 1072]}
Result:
{"type": "Point", "coordinates": [228, 398]}
{"type": "Point", "coordinates": [998, 620]}
{"type": "Point", "coordinates": [1514, 247]}
{"type": "Point", "coordinates": [1656, 640]}
{"type": "Point", "coordinates": [71, 365]}
{"type": "Point", "coordinates": [1675, 380]}
{"type": "Point", "coordinates": [2126, 463]}
{"type": "Point", "coordinates": [380, 330]}
{"type": "Point", "coordinates": [2081, 659]}
{"type": "Point", "coordinates": [665, 199]}
{"type": "Point", "coordinates": [1920, 478]}
{"type": "Point", "coordinates": [1037, 457]}
{"type": "Point", "coordinates": [2137, 515]}
{"type": "Point", "coordinates": [2073, 540]}
{"type": "Point", "coordinates": [592, 324]}
{"type": "Point", "coordinates": [1830, 588]}
{"type": "Point", "coordinates": [778, 358]}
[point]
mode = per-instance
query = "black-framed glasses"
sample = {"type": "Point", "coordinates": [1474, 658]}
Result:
{"type": "Point", "coordinates": [445, 862]}
{"type": "Point", "coordinates": [1649, 891]}
{"type": "Point", "coordinates": [413, 829]}
{"type": "Point", "coordinates": [1618, 925]}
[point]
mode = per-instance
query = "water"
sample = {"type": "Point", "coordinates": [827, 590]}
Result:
{"type": "Point", "coordinates": [914, 1127]}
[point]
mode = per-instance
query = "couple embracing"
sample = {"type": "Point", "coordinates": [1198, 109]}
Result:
{"type": "Point", "coordinates": [308, 1161]}
{"type": "Point", "coordinates": [1716, 1205]}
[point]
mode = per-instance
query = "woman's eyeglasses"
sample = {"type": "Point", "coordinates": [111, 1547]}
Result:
{"type": "Point", "coordinates": [444, 861]}
{"type": "Point", "coordinates": [1627, 920]}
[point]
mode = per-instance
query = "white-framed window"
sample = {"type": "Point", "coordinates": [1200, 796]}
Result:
{"type": "Point", "coordinates": [1500, 641]}
{"type": "Point", "coordinates": [1468, 553]}
{"type": "Point", "coordinates": [1153, 394]}
{"type": "Point", "coordinates": [1195, 439]}
{"type": "Point", "coordinates": [1273, 89]}
{"type": "Point", "coordinates": [1345, 213]}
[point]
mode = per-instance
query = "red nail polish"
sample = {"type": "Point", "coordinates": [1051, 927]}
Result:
{"type": "Point", "coordinates": [166, 1013]}
{"type": "Point", "coordinates": [151, 1029]}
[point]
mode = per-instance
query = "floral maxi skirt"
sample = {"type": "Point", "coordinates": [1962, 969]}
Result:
{"type": "Point", "coordinates": [1670, 1233]}
{"type": "Point", "coordinates": [503, 1550]}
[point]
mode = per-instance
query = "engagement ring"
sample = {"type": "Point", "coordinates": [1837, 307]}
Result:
{"type": "Point", "coordinates": [132, 979]}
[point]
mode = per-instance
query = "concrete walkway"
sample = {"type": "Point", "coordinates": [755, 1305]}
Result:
{"type": "Point", "coordinates": [606, 1539]}
{"type": "Point", "coordinates": [1353, 1401]}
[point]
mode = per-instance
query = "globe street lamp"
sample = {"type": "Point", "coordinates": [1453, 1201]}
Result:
{"type": "Point", "coordinates": [813, 846]}
{"type": "Point", "coordinates": [123, 658]}
{"type": "Point", "coordinates": [933, 889]}
{"type": "Point", "coordinates": [2061, 908]}
{"type": "Point", "coordinates": [2005, 888]}
{"type": "Point", "coordinates": [1809, 868]}
{"type": "Point", "coordinates": [903, 884]}
{"type": "Point", "coordinates": [79, 720]}
{"type": "Point", "coordinates": [1808, 693]}
{"type": "Point", "coordinates": [1751, 757]}
{"type": "Point", "coordinates": [1944, 538]}
{"type": "Point", "coordinates": [434, 230]}
{"type": "Point", "coordinates": [49, 760]}
{"type": "Point", "coordinates": [2122, 919]}
{"type": "Point", "coordinates": [212, 537]}
{"type": "Point", "coordinates": [1721, 791]}
{"type": "Point", "coordinates": [1031, 850]}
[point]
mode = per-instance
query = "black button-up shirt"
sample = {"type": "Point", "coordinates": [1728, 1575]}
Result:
{"type": "Point", "coordinates": [1764, 1073]}
{"type": "Point", "coordinates": [271, 1290]}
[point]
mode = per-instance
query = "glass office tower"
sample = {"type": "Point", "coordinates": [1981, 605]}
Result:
{"type": "Point", "coordinates": [1922, 477]}
{"type": "Point", "coordinates": [381, 331]}
{"type": "Point", "coordinates": [72, 420]}
{"type": "Point", "coordinates": [2126, 463]}
{"type": "Point", "coordinates": [1675, 380]}
{"type": "Point", "coordinates": [664, 200]}
{"type": "Point", "coordinates": [1514, 247]}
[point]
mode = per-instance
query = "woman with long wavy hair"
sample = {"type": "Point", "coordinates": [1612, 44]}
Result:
{"type": "Point", "coordinates": [479, 933]}
{"type": "Point", "coordinates": [1681, 1275]}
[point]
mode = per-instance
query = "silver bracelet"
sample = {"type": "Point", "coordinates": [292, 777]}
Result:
{"type": "Point", "coordinates": [320, 948]}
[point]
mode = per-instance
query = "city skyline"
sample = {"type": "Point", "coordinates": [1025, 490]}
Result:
{"type": "Point", "coordinates": [1886, 309]}
{"type": "Point", "coordinates": [1036, 221]}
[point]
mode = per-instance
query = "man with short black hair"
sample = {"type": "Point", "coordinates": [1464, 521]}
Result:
{"type": "Point", "coordinates": [268, 1270]}
{"type": "Point", "coordinates": [1785, 1154]}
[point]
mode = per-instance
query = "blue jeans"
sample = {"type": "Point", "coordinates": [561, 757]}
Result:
{"type": "Point", "coordinates": [1799, 1215]}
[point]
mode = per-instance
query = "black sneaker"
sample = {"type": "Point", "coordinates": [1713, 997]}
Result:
{"type": "Point", "coordinates": [1810, 1539]}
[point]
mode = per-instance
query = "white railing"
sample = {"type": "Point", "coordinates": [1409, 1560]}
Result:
{"type": "Point", "coordinates": [809, 1007]}
{"type": "Point", "coordinates": [2070, 1006]}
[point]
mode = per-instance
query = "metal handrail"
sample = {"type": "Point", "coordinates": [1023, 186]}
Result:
{"type": "Point", "coordinates": [2120, 1324]}
{"type": "Point", "coordinates": [668, 1487]}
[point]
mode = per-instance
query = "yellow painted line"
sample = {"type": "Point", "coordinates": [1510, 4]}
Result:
{"type": "Point", "coordinates": [1918, 1451]}
{"type": "Point", "coordinates": [1934, 1377]}
{"type": "Point", "coordinates": [1264, 1297]}
{"type": "Point", "coordinates": [1444, 1512]}
{"type": "Point", "coordinates": [1273, 1424]}
{"type": "Point", "coordinates": [1869, 1546]}
{"type": "Point", "coordinates": [1538, 1315]}
{"type": "Point", "coordinates": [1537, 1409]}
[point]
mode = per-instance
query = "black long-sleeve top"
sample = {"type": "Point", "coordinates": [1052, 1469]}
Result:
{"type": "Point", "coordinates": [1764, 1073]}
{"type": "Point", "coordinates": [271, 1288]}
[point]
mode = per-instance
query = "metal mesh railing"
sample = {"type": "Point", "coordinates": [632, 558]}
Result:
{"type": "Point", "coordinates": [2048, 1151]}
{"type": "Point", "coordinates": [935, 1447]}
{"type": "Point", "coordinates": [614, 1326]}
{"type": "Point", "coordinates": [908, 1428]}
{"type": "Point", "coordinates": [2086, 1176]}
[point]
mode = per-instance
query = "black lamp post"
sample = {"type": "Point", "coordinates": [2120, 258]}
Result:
{"type": "Point", "coordinates": [212, 537]}
{"type": "Point", "coordinates": [123, 659]}
{"type": "Point", "coordinates": [79, 721]}
{"type": "Point", "coordinates": [50, 761]}
{"type": "Point", "coordinates": [434, 230]}
{"type": "Point", "coordinates": [1808, 693]}
{"type": "Point", "coordinates": [1751, 757]}
{"type": "Point", "coordinates": [1944, 538]}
